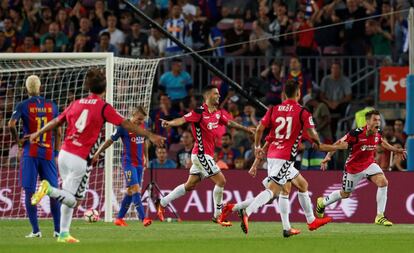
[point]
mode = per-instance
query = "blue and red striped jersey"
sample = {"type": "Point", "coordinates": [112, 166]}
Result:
{"type": "Point", "coordinates": [134, 146]}
{"type": "Point", "coordinates": [35, 113]}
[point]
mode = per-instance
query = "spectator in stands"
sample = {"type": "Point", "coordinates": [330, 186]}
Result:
{"type": "Point", "coordinates": [105, 45]}
{"type": "Point", "coordinates": [161, 162]}
{"type": "Point", "coordinates": [150, 9]}
{"type": "Point", "coordinates": [10, 32]}
{"type": "Point", "coordinates": [22, 25]}
{"type": "Point", "coordinates": [125, 22]}
{"type": "Point", "coordinates": [46, 19]}
{"type": "Point", "coordinates": [236, 35]}
{"type": "Point", "coordinates": [354, 32]}
{"type": "Point", "coordinates": [216, 40]}
{"type": "Point", "coordinates": [184, 155]}
{"type": "Point", "coordinates": [165, 111]}
{"type": "Point", "coordinates": [306, 42]}
{"type": "Point", "coordinates": [379, 39]}
{"type": "Point", "coordinates": [233, 104]}
{"type": "Point", "coordinates": [30, 13]}
{"type": "Point", "coordinates": [239, 163]}
{"type": "Point", "coordinates": [321, 115]}
{"type": "Point", "coordinates": [297, 73]}
{"type": "Point", "coordinates": [397, 161]}
{"type": "Point", "coordinates": [383, 155]}
{"type": "Point", "coordinates": [28, 45]}
{"type": "Point", "coordinates": [336, 90]}
{"type": "Point", "coordinates": [136, 43]}
{"type": "Point", "coordinates": [81, 44]}
{"type": "Point", "coordinates": [329, 36]}
{"type": "Point", "coordinates": [227, 153]}
{"type": "Point", "coordinates": [177, 83]}
{"type": "Point", "coordinates": [272, 75]}
{"type": "Point", "coordinates": [117, 36]}
{"type": "Point", "coordinates": [156, 43]}
{"type": "Point", "coordinates": [177, 26]}
{"type": "Point", "coordinates": [5, 45]}
{"type": "Point", "coordinates": [248, 117]}
{"type": "Point", "coordinates": [86, 30]}
{"type": "Point", "coordinates": [61, 40]}
{"type": "Point", "coordinates": [48, 45]}
{"type": "Point", "coordinates": [65, 24]}
{"type": "Point", "coordinates": [399, 131]}
{"type": "Point", "coordinates": [279, 25]}
{"type": "Point", "coordinates": [258, 41]}
{"type": "Point", "coordinates": [97, 16]}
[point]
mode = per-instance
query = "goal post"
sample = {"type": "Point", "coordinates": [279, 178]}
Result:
{"type": "Point", "coordinates": [129, 84]}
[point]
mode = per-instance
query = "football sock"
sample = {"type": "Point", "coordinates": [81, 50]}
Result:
{"type": "Point", "coordinates": [63, 196]}
{"type": "Point", "coordinates": [381, 199]}
{"type": "Point", "coordinates": [284, 211]}
{"type": "Point", "coordinates": [65, 218]}
{"type": "Point", "coordinates": [175, 194]}
{"type": "Point", "coordinates": [31, 210]}
{"type": "Point", "coordinates": [259, 201]}
{"type": "Point", "coordinates": [126, 202]}
{"type": "Point", "coordinates": [305, 203]}
{"type": "Point", "coordinates": [217, 200]}
{"type": "Point", "coordinates": [136, 198]}
{"type": "Point", "coordinates": [242, 205]}
{"type": "Point", "coordinates": [331, 198]}
{"type": "Point", "coordinates": [55, 210]}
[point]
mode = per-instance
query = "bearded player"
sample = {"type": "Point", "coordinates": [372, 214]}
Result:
{"type": "Point", "coordinates": [361, 164]}
{"type": "Point", "coordinates": [85, 118]}
{"type": "Point", "coordinates": [204, 123]}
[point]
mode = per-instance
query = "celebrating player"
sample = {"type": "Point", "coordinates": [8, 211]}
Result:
{"type": "Point", "coordinates": [134, 157]}
{"type": "Point", "coordinates": [205, 121]}
{"type": "Point", "coordinates": [85, 118]}
{"type": "Point", "coordinates": [38, 157]}
{"type": "Point", "coordinates": [287, 122]}
{"type": "Point", "coordinates": [361, 164]}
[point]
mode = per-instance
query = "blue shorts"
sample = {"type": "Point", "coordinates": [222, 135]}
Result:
{"type": "Point", "coordinates": [133, 175]}
{"type": "Point", "coordinates": [30, 167]}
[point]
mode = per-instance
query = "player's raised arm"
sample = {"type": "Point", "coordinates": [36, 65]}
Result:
{"type": "Point", "coordinates": [101, 149]}
{"type": "Point", "coordinates": [131, 127]}
{"type": "Point", "coordinates": [325, 147]}
{"type": "Point", "coordinates": [389, 147]}
{"type": "Point", "coordinates": [233, 124]}
{"type": "Point", "coordinates": [173, 123]}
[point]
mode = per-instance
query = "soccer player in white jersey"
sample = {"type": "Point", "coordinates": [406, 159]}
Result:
{"type": "Point", "coordinates": [204, 123]}
{"type": "Point", "coordinates": [85, 118]}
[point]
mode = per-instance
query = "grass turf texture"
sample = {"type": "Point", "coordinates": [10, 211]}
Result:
{"type": "Point", "coordinates": [208, 237]}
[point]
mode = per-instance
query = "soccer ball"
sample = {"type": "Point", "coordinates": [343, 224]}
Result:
{"type": "Point", "coordinates": [91, 215]}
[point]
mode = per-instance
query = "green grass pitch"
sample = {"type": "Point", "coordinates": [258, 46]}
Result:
{"type": "Point", "coordinates": [208, 237]}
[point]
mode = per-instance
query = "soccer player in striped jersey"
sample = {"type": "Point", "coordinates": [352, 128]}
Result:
{"type": "Point", "coordinates": [361, 164]}
{"type": "Point", "coordinates": [39, 156]}
{"type": "Point", "coordinates": [85, 118]}
{"type": "Point", "coordinates": [134, 159]}
{"type": "Point", "coordinates": [205, 121]}
{"type": "Point", "coordinates": [287, 121]}
{"type": "Point", "coordinates": [177, 26]}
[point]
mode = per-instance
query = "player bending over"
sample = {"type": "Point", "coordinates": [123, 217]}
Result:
{"type": "Point", "coordinates": [85, 118]}
{"type": "Point", "coordinates": [134, 158]}
{"type": "Point", "coordinates": [361, 164]}
{"type": "Point", "coordinates": [287, 122]}
{"type": "Point", "coordinates": [38, 157]}
{"type": "Point", "coordinates": [204, 123]}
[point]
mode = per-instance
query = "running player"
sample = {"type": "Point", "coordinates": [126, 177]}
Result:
{"type": "Point", "coordinates": [39, 156]}
{"type": "Point", "coordinates": [85, 118]}
{"type": "Point", "coordinates": [134, 157]}
{"type": "Point", "coordinates": [287, 122]}
{"type": "Point", "coordinates": [361, 164]}
{"type": "Point", "coordinates": [205, 121]}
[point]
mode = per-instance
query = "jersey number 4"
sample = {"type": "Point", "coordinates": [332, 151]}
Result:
{"type": "Point", "coordinates": [80, 124]}
{"type": "Point", "coordinates": [284, 123]}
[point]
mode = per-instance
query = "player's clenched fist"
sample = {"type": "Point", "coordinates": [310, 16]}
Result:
{"type": "Point", "coordinates": [165, 124]}
{"type": "Point", "coordinates": [157, 140]}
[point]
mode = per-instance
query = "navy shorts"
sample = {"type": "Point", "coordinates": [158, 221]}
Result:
{"type": "Point", "coordinates": [133, 175]}
{"type": "Point", "coordinates": [31, 167]}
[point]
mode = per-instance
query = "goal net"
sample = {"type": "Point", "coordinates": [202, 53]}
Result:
{"type": "Point", "coordinates": [129, 84]}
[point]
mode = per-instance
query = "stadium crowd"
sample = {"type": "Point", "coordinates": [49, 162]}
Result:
{"type": "Point", "coordinates": [108, 26]}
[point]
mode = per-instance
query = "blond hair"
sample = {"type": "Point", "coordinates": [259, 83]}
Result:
{"type": "Point", "coordinates": [33, 85]}
{"type": "Point", "coordinates": [139, 109]}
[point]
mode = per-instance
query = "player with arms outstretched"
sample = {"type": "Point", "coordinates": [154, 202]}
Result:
{"type": "Point", "coordinates": [361, 164]}
{"type": "Point", "coordinates": [85, 118]}
{"type": "Point", "coordinates": [38, 157]}
{"type": "Point", "coordinates": [287, 122]}
{"type": "Point", "coordinates": [204, 123]}
{"type": "Point", "coordinates": [134, 158]}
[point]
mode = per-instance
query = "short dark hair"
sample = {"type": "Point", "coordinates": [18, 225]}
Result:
{"type": "Point", "coordinates": [105, 34]}
{"type": "Point", "coordinates": [291, 87]}
{"type": "Point", "coordinates": [228, 135]}
{"type": "Point", "coordinates": [208, 88]}
{"type": "Point", "coordinates": [95, 81]}
{"type": "Point", "coordinates": [370, 113]}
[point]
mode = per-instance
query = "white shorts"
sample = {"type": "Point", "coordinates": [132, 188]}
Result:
{"type": "Point", "coordinates": [350, 181]}
{"type": "Point", "coordinates": [281, 171]}
{"type": "Point", "coordinates": [203, 166]}
{"type": "Point", "coordinates": [74, 173]}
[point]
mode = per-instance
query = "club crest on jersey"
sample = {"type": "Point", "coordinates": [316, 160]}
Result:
{"type": "Point", "coordinates": [218, 116]}
{"type": "Point", "coordinates": [212, 125]}
{"type": "Point", "coordinates": [311, 121]}
{"type": "Point", "coordinates": [376, 139]}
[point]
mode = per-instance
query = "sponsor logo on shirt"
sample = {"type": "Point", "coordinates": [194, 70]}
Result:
{"type": "Point", "coordinates": [368, 147]}
{"type": "Point", "coordinates": [212, 125]}
{"type": "Point", "coordinates": [138, 139]}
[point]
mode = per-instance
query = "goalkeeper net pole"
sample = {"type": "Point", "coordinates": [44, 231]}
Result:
{"type": "Point", "coordinates": [129, 84]}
